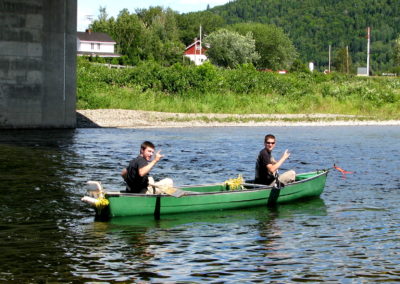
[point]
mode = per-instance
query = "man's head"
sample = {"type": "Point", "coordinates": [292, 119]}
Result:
{"type": "Point", "coordinates": [147, 150]}
{"type": "Point", "coordinates": [269, 142]}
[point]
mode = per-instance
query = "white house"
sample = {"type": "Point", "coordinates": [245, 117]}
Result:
{"type": "Point", "coordinates": [196, 53]}
{"type": "Point", "coordinates": [95, 44]}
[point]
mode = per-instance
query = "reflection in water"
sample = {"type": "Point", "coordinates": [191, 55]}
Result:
{"type": "Point", "coordinates": [35, 174]}
{"type": "Point", "coordinates": [350, 234]}
{"type": "Point", "coordinates": [144, 248]}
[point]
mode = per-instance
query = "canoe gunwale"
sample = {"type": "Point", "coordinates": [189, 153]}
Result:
{"type": "Point", "coordinates": [196, 193]}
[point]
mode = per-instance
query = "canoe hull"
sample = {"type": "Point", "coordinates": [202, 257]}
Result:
{"type": "Point", "coordinates": [220, 198]}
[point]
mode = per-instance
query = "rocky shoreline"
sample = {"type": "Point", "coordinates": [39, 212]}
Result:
{"type": "Point", "coordinates": [121, 118]}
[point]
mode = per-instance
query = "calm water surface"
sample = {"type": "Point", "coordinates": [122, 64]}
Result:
{"type": "Point", "coordinates": [348, 235]}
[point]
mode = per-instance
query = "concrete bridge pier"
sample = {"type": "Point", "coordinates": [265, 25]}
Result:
{"type": "Point", "coordinates": [38, 63]}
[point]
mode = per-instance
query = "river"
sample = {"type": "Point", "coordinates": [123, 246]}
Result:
{"type": "Point", "coordinates": [348, 235]}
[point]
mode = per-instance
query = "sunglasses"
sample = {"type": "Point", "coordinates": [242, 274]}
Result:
{"type": "Point", "coordinates": [270, 143]}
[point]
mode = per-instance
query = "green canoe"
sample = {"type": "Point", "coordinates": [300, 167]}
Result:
{"type": "Point", "coordinates": [210, 197]}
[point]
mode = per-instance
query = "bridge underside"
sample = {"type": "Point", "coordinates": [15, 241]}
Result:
{"type": "Point", "coordinates": [38, 63]}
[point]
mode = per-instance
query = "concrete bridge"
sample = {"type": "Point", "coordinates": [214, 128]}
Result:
{"type": "Point", "coordinates": [38, 63]}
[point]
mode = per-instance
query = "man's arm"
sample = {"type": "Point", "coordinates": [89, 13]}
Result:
{"type": "Point", "coordinates": [146, 169]}
{"type": "Point", "coordinates": [275, 166]}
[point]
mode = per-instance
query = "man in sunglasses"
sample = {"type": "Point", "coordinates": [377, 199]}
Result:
{"type": "Point", "coordinates": [267, 167]}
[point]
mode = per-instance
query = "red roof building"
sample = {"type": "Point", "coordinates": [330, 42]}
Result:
{"type": "Point", "coordinates": [196, 53]}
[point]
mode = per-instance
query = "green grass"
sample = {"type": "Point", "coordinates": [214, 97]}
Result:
{"type": "Point", "coordinates": [207, 89]}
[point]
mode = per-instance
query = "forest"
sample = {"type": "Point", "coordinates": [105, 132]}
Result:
{"type": "Point", "coordinates": [287, 34]}
{"type": "Point", "coordinates": [313, 25]}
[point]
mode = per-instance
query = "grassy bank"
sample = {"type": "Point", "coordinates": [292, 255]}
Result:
{"type": "Point", "coordinates": [207, 89]}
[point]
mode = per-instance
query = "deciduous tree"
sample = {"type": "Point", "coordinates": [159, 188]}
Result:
{"type": "Point", "coordinates": [396, 51]}
{"type": "Point", "coordinates": [230, 49]}
{"type": "Point", "coordinates": [275, 48]}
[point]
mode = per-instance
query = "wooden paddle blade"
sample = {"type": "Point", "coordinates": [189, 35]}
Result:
{"type": "Point", "coordinates": [173, 191]}
{"type": "Point", "coordinates": [178, 193]}
{"type": "Point", "coordinates": [168, 190]}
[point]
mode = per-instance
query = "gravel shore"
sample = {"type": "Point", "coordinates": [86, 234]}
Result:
{"type": "Point", "coordinates": [150, 119]}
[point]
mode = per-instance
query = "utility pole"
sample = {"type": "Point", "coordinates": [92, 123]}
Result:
{"type": "Point", "coordinates": [329, 60]}
{"type": "Point", "coordinates": [347, 59]}
{"type": "Point", "coordinates": [200, 41]}
{"type": "Point", "coordinates": [368, 47]}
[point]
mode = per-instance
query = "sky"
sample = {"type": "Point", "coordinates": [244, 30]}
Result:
{"type": "Point", "coordinates": [90, 8]}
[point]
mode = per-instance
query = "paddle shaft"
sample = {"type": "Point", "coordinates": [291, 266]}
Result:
{"type": "Point", "coordinates": [275, 192]}
{"type": "Point", "coordinates": [157, 208]}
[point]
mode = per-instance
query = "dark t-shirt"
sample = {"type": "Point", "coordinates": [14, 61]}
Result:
{"type": "Point", "coordinates": [263, 176]}
{"type": "Point", "coordinates": [134, 182]}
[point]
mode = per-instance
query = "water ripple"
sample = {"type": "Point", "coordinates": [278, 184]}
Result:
{"type": "Point", "coordinates": [348, 235]}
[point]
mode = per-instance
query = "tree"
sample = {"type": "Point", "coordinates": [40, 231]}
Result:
{"type": "Point", "coordinates": [312, 24]}
{"type": "Point", "coordinates": [298, 66]}
{"type": "Point", "coordinates": [102, 24]}
{"type": "Point", "coordinates": [342, 60]}
{"type": "Point", "coordinates": [275, 48]}
{"type": "Point", "coordinates": [230, 49]}
{"type": "Point", "coordinates": [396, 52]}
{"type": "Point", "coordinates": [150, 34]}
{"type": "Point", "coordinates": [130, 35]}
{"type": "Point", "coordinates": [189, 24]}
{"type": "Point", "coordinates": [165, 46]}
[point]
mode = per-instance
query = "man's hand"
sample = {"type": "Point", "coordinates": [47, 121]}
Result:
{"type": "Point", "coordinates": [158, 156]}
{"type": "Point", "coordinates": [286, 154]}
{"type": "Point", "coordinates": [272, 168]}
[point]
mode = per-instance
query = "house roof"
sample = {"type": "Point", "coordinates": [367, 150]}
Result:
{"type": "Point", "coordinates": [92, 36]}
{"type": "Point", "coordinates": [191, 48]}
{"type": "Point", "coordinates": [195, 42]}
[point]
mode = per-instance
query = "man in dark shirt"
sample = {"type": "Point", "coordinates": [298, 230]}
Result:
{"type": "Point", "coordinates": [266, 166]}
{"type": "Point", "coordinates": [136, 175]}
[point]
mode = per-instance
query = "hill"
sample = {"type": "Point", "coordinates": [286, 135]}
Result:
{"type": "Point", "coordinates": [313, 25]}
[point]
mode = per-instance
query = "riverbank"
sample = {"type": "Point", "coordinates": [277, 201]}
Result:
{"type": "Point", "coordinates": [208, 89]}
{"type": "Point", "coordinates": [122, 118]}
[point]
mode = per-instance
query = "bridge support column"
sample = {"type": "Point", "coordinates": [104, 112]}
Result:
{"type": "Point", "coordinates": [38, 63]}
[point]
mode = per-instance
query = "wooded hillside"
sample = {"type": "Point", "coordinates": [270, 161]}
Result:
{"type": "Point", "coordinates": [313, 25]}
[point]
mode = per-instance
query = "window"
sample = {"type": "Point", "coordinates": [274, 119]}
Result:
{"type": "Point", "coordinates": [98, 46]}
{"type": "Point", "coordinates": [92, 46]}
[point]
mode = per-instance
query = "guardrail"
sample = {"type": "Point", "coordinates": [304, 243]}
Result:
{"type": "Point", "coordinates": [114, 65]}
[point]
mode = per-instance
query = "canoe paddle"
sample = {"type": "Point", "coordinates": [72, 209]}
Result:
{"type": "Point", "coordinates": [275, 191]}
{"type": "Point", "coordinates": [168, 189]}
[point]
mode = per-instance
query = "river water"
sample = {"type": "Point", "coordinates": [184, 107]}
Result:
{"type": "Point", "coordinates": [348, 235]}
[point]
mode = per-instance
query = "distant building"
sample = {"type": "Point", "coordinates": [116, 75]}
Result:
{"type": "Point", "coordinates": [95, 44]}
{"type": "Point", "coordinates": [311, 66]}
{"type": "Point", "coordinates": [196, 53]}
{"type": "Point", "coordinates": [362, 71]}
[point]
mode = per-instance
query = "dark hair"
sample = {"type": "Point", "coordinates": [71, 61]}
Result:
{"type": "Point", "coordinates": [146, 144]}
{"type": "Point", "coordinates": [269, 136]}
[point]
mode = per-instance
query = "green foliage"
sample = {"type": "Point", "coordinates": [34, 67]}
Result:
{"type": "Point", "coordinates": [149, 34]}
{"type": "Point", "coordinates": [161, 35]}
{"type": "Point", "coordinates": [299, 66]}
{"type": "Point", "coordinates": [189, 25]}
{"type": "Point", "coordinates": [288, 29]}
{"type": "Point", "coordinates": [230, 49]}
{"type": "Point", "coordinates": [206, 88]}
{"type": "Point", "coordinates": [396, 52]}
{"type": "Point", "coordinates": [342, 61]}
{"type": "Point", "coordinates": [314, 24]}
{"type": "Point", "coordinates": [272, 44]}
